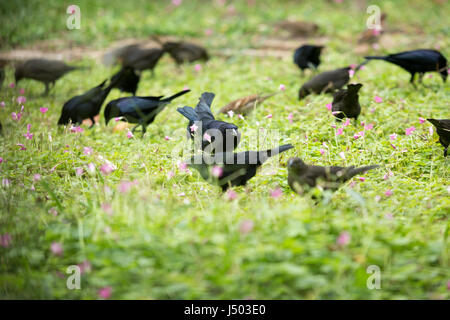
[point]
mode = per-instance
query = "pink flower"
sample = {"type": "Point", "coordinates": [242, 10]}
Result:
{"type": "Point", "coordinates": [343, 239]}
{"type": "Point", "coordinates": [167, 138]}
{"type": "Point", "coordinates": [231, 195]}
{"type": "Point", "coordinates": [339, 131]}
{"type": "Point", "coordinates": [76, 129]}
{"type": "Point", "coordinates": [421, 120]}
{"type": "Point", "coordinates": [5, 240]}
{"type": "Point", "coordinates": [170, 175]}
{"type": "Point", "coordinates": [2, 104]}
{"type": "Point", "coordinates": [393, 136]}
{"type": "Point", "coordinates": [28, 135]}
{"type": "Point", "coordinates": [21, 91]}
{"type": "Point", "coordinates": [230, 113]}
{"type": "Point", "coordinates": [347, 122]}
{"type": "Point", "coordinates": [85, 266]}
{"type": "Point", "coordinates": [246, 226]}
{"type": "Point", "coordinates": [430, 130]}
{"type": "Point", "coordinates": [43, 110]}
{"type": "Point", "coordinates": [182, 194]}
{"type": "Point", "coordinates": [198, 67]}
{"type": "Point", "coordinates": [207, 137]}
{"type": "Point", "coordinates": [125, 186]}
{"type": "Point", "coordinates": [12, 85]}
{"type": "Point", "coordinates": [342, 155]}
{"type": "Point", "coordinates": [388, 193]}
{"type": "Point", "coordinates": [21, 99]}
{"type": "Point", "coordinates": [269, 116]}
{"type": "Point", "coordinates": [107, 208]}
{"type": "Point", "coordinates": [362, 179]}
{"type": "Point", "coordinates": [53, 211]}
{"type": "Point", "coordinates": [322, 151]}
{"type": "Point", "coordinates": [56, 248]}
{"type": "Point", "coordinates": [290, 117]}
{"type": "Point", "coordinates": [208, 32]}
{"type": "Point", "coordinates": [372, 110]}
{"type": "Point", "coordinates": [1, 160]}
{"type": "Point", "coordinates": [105, 293]}
{"type": "Point", "coordinates": [36, 177]}
{"type": "Point", "coordinates": [333, 126]}
{"type": "Point", "coordinates": [87, 151]}
{"type": "Point", "coordinates": [282, 87]}
{"type": "Point", "coordinates": [393, 147]}
{"type": "Point", "coordinates": [130, 135]}
{"type": "Point", "coordinates": [240, 116]}
{"type": "Point", "coordinates": [329, 105]}
{"type": "Point", "coordinates": [368, 126]}
{"type": "Point", "coordinates": [351, 73]}
{"type": "Point", "coordinates": [388, 175]}
{"type": "Point", "coordinates": [378, 99]}
{"type": "Point", "coordinates": [182, 166]}
{"type": "Point", "coordinates": [22, 147]}
{"type": "Point", "coordinates": [107, 168]}
{"type": "Point", "coordinates": [116, 119]}
{"type": "Point", "coordinates": [409, 131]}
{"type": "Point", "coordinates": [79, 171]}
{"type": "Point", "coordinates": [16, 116]}
{"type": "Point", "coordinates": [276, 193]}
{"type": "Point", "coordinates": [217, 171]}
{"type": "Point", "coordinates": [193, 128]}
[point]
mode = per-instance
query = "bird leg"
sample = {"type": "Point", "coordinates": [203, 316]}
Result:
{"type": "Point", "coordinates": [132, 130]}
{"type": "Point", "coordinates": [93, 122]}
{"type": "Point", "coordinates": [46, 90]}
{"type": "Point", "coordinates": [421, 77]}
{"type": "Point", "coordinates": [412, 78]}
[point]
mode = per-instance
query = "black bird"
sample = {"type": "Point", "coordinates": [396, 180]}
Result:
{"type": "Point", "coordinates": [141, 59]}
{"type": "Point", "coordinates": [43, 70]}
{"type": "Point", "coordinates": [327, 81]}
{"type": "Point", "coordinates": [235, 169]}
{"type": "Point", "coordinates": [128, 82]}
{"type": "Point", "coordinates": [140, 110]}
{"type": "Point", "coordinates": [443, 130]}
{"type": "Point", "coordinates": [224, 136]}
{"type": "Point", "coordinates": [303, 176]}
{"type": "Point", "coordinates": [418, 61]}
{"type": "Point", "coordinates": [183, 52]}
{"type": "Point", "coordinates": [85, 106]}
{"type": "Point", "coordinates": [346, 102]}
{"type": "Point", "coordinates": [307, 56]}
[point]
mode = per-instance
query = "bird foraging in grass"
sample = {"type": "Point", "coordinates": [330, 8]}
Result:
{"type": "Point", "coordinates": [308, 56]}
{"type": "Point", "coordinates": [302, 176]}
{"type": "Point", "coordinates": [85, 106]}
{"type": "Point", "coordinates": [327, 81]}
{"type": "Point", "coordinates": [140, 110]}
{"type": "Point", "coordinates": [43, 70]}
{"type": "Point", "coordinates": [418, 61]}
{"type": "Point", "coordinates": [183, 52]}
{"type": "Point", "coordinates": [443, 130]}
{"type": "Point", "coordinates": [128, 82]}
{"type": "Point", "coordinates": [232, 169]}
{"type": "Point", "coordinates": [245, 105]}
{"type": "Point", "coordinates": [215, 135]}
{"type": "Point", "coordinates": [346, 102]}
{"type": "Point", "coordinates": [138, 58]}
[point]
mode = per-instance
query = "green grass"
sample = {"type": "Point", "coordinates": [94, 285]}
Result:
{"type": "Point", "coordinates": [160, 245]}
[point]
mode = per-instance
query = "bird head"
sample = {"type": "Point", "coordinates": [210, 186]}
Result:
{"type": "Point", "coordinates": [111, 111]}
{"type": "Point", "coordinates": [444, 74]}
{"type": "Point", "coordinates": [354, 87]}
{"type": "Point", "coordinates": [230, 132]}
{"type": "Point", "coordinates": [297, 166]}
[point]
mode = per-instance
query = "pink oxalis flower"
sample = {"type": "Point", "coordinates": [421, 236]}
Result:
{"type": "Point", "coordinates": [343, 239]}
{"type": "Point", "coordinates": [388, 193]}
{"type": "Point", "coordinates": [107, 168]}
{"type": "Point", "coordinates": [56, 248]}
{"type": "Point", "coordinates": [106, 292]}
{"type": "Point", "coordinates": [409, 131]}
{"type": "Point", "coordinates": [339, 131]}
{"type": "Point", "coordinates": [378, 99]}
{"type": "Point", "coordinates": [230, 113]}
{"type": "Point", "coordinates": [290, 117]}
{"type": "Point", "coordinates": [28, 135]}
{"type": "Point", "coordinates": [393, 136]}
{"type": "Point", "coordinates": [421, 120]}
{"type": "Point", "coordinates": [21, 99]}
{"type": "Point", "coordinates": [5, 240]}
{"type": "Point", "coordinates": [276, 193]}
{"type": "Point", "coordinates": [198, 67]}
{"type": "Point", "coordinates": [193, 128]}
{"type": "Point", "coordinates": [329, 106]}
{"type": "Point", "coordinates": [282, 87]}
{"type": "Point", "coordinates": [43, 110]}
{"type": "Point", "coordinates": [130, 135]}
{"type": "Point", "coordinates": [217, 171]}
{"type": "Point", "coordinates": [269, 116]}
{"type": "Point", "coordinates": [87, 151]}
{"type": "Point", "coordinates": [231, 195]}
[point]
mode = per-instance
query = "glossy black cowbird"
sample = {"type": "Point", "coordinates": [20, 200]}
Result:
{"type": "Point", "coordinates": [140, 110]}
{"type": "Point", "coordinates": [246, 104]}
{"type": "Point", "coordinates": [183, 52]}
{"type": "Point", "coordinates": [302, 176]}
{"type": "Point", "coordinates": [215, 135]}
{"type": "Point", "coordinates": [418, 61]}
{"type": "Point", "coordinates": [232, 169]}
{"type": "Point", "coordinates": [443, 130]}
{"type": "Point", "coordinates": [307, 56]}
{"type": "Point", "coordinates": [327, 81]}
{"type": "Point", "coordinates": [141, 59]}
{"type": "Point", "coordinates": [128, 82]}
{"type": "Point", "coordinates": [346, 102]}
{"type": "Point", "coordinates": [43, 70]}
{"type": "Point", "coordinates": [85, 106]}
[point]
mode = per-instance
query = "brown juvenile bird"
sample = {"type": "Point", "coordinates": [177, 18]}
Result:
{"type": "Point", "coordinates": [372, 36]}
{"type": "Point", "coordinates": [43, 70]}
{"type": "Point", "coordinates": [303, 176]}
{"type": "Point", "coordinates": [298, 28]}
{"type": "Point", "coordinates": [443, 130]}
{"type": "Point", "coordinates": [327, 81]}
{"type": "Point", "coordinates": [183, 52]}
{"type": "Point", "coordinates": [346, 102]}
{"type": "Point", "coordinates": [246, 104]}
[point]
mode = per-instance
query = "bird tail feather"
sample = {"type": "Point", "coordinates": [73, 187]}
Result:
{"type": "Point", "coordinates": [264, 155]}
{"type": "Point", "coordinates": [353, 172]}
{"type": "Point", "coordinates": [203, 107]}
{"type": "Point", "coordinates": [375, 58]}
{"type": "Point", "coordinates": [176, 95]}
{"type": "Point", "coordinates": [189, 113]}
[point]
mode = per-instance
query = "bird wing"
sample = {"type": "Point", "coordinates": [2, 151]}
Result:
{"type": "Point", "coordinates": [203, 108]}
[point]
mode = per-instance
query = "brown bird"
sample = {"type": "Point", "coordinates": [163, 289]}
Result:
{"type": "Point", "coordinates": [43, 70]}
{"type": "Point", "coordinates": [443, 130]}
{"type": "Point", "coordinates": [298, 28]}
{"type": "Point", "coordinates": [346, 102]}
{"type": "Point", "coordinates": [303, 176]}
{"type": "Point", "coordinates": [372, 36]}
{"type": "Point", "coordinates": [327, 81]}
{"type": "Point", "coordinates": [246, 104]}
{"type": "Point", "coordinates": [183, 52]}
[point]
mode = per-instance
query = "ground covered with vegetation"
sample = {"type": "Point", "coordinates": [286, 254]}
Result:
{"type": "Point", "coordinates": [149, 229]}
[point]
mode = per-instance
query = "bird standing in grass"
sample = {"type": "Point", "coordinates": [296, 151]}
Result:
{"type": "Point", "coordinates": [128, 82]}
{"type": "Point", "coordinates": [246, 104]}
{"type": "Point", "coordinates": [43, 70]}
{"type": "Point", "coordinates": [346, 102]}
{"type": "Point", "coordinates": [183, 52]}
{"type": "Point", "coordinates": [141, 59]}
{"type": "Point", "coordinates": [302, 176]}
{"type": "Point", "coordinates": [418, 61]}
{"type": "Point", "coordinates": [443, 130]}
{"type": "Point", "coordinates": [85, 106]}
{"type": "Point", "coordinates": [215, 135]}
{"type": "Point", "coordinates": [327, 81]}
{"type": "Point", "coordinates": [232, 169]}
{"type": "Point", "coordinates": [308, 56]}
{"type": "Point", "coordinates": [140, 110]}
